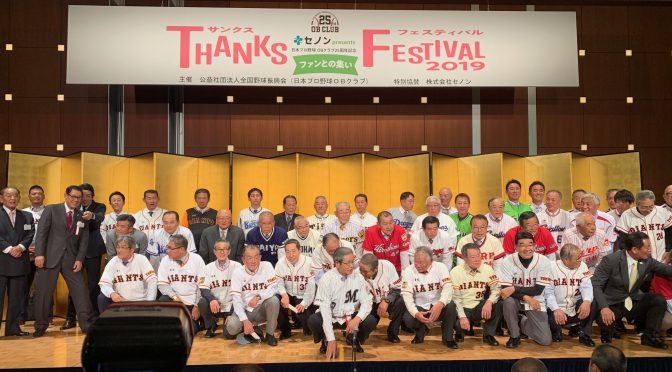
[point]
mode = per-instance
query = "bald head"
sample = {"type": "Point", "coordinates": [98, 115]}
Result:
{"type": "Point", "coordinates": [446, 195]}
{"type": "Point", "coordinates": [529, 365]}
{"type": "Point", "coordinates": [224, 218]}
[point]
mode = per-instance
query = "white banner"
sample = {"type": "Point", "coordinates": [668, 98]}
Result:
{"type": "Point", "coordinates": [320, 48]}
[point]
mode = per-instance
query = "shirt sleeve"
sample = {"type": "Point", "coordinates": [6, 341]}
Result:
{"type": "Point", "coordinates": [446, 287]}
{"type": "Point", "coordinates": [549, 295]}
{"type": "Point", "coordinates": [236, 292]}
{"type": "Point", "coordinates": [407, 293]}
{"type": "Point", "coordinates": [505, 274]}
{"type": "Point", "coordinates": [508, 244]}
{"type": "Point", "coordinates": [323, 300]}
{"type": "Point", "coordinates": [495, 287]}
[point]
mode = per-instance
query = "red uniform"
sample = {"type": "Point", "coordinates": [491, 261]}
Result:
{"type": "Point", "coordinates": [387, 248]}
{"type": "Point", "coordinates": [544, 242]}
{"type": "Point", "coordinates": [662, 286]}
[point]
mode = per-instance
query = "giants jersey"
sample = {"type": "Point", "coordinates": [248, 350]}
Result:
{"type": "Point", "coordinates": [403, 218]}
{"type": "Point", "coordinates": [187, 279]}
{"type": "Point", "coordinates": [446, 224]}
{"type": "Point", "coordinates": [666, 207]}
{"type": "Point", "coordinates": [386, 279]}
{"type": "Point", "coordinates": [132, 281]}
{"type": "Point", "coordinates": [158, 249]}
{"type": "Point", "coordinates": [604, 222]}
{"type": "Point", "coordinates": [218, 279]}
{"type": "Point", "coordinates": [653, 225]}
{"type": "Point", "coordinates": [246, 284]}
{"type": "Point", "coordinates": [556, 223]}
{"type": "Point", "coordinates": [317, 222]}
{"type": "Point", "coordinates": [322, 261]}
{"type": "Point", "coordinates": [339, 297]}
{"type": "Point", "coordinates": [426, 289]}
{"type": "Point", "coordinates": [293, 278]}
{"type": "Point", "coordinates": [593, 249]}
{"type": "Point", "coordinates": [248, 218]}
{"type": "Point", "coordinates": [308, 244]}
{"type": "Point", "coordinates": [469, 286]}
{"type": "Point", "coordinates": [442, 246]}
{"type": "Point", "coordinates": [491, 248]}
{"type": "Point", "coordinates": [498, 227]}
{"type": "Point", "coordinates": [543, 241]}
{"type": "Point", "coordinates": [149, 224]}
{"type": "Point", "coordinates": [387, 247]}
{"type": "Point", "coordinates": [367, 219]}
{"type": "Point", "coordinates": [614, 214]}
{"type": "Point", "coordinates": [109, 223]}
{"type": "Point", "coordinates": [568, 286]}
{"type": "Point", "coordinates": [511, 272]}
{"type": "Point", "coordinates": [352, 232]}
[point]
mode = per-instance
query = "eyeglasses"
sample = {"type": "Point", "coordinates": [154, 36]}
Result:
{"type": "Point", "coordinates": [351, 263]}
{"type": "Point", "coordinates": [221, 250]}
{"type": "Point", "coordinates": [174, 248]}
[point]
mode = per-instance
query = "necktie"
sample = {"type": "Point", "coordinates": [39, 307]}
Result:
{"type": "Point", "coordinates": [222, 234]}
{"type": "Point", "coordinates": [151, 213]}
{"type": "Point", "coordinates": [69, 220]}
{"type": "Point", "coordinates": [478, 242]}
{"type": "Point", "coordinates": [431, 241]}
{"type": "Point", "coordinates": [12, 217]}
{"type": "Point", "coordinates": [633, 279]}
{"type": "Point", "coordinates": [289, 220]}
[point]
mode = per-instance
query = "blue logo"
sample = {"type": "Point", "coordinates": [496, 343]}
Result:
{"type": "Point", "coordinates": [298, 39]}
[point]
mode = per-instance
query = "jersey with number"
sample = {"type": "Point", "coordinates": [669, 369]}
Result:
{"type": "Point", "coordinates": [511, 272]}
{"type": "Point", "coordinates": [442, 246]}
{"type": "Point", "coordinates": [471, 285]}
{"type": "Point", "coordinates": [366, 219]}
{"type": "Point", "coordinates": [593, 249]}
{"type": "Point", "coordinates": [130, 280]}
{"type": "Point", "coordinates": [159, 248]}
{"type": "Point", "coordinates": [556, 223]}
{"type": "Point", "coordinates": [271, 246]}
{"type": "Point", "coordinates": [293, 278]}
{"type": "Point", "coordinates": [218, 279]}
{"type": "Point", "coordinates": [463, 225]}
{"type": "Point", "coordinates": [149, 222]}
{"type": "Point", "coordinates": [426, 288]}
{"type": "Point", "coordinates": [317, 222]}
{"type": "Point", "coordinates": [246, 284]}
{"type": "Point", "coordinates": [309, 243]}
{"type": "Point", "coordinates": [248, 218]}
{"type": "Point", "coordinates": [403, 218]}
{"type": "Point", "coordinates": [653, 225]}
{"type": "Point", "coordinates": [543, 241]}
{"type": "Point", "coordinates": [567, 284]}
{"type": "Point", "coordinates": [491, 248]}
{"type": "Point", "coordinates": [498, 227]}
{"type": "Point", "coordinates": [109, 223]}
{"type": "Point", "coordinates": [352, 232]}
{"type": "Point", "coordinates": [386, 280]}
{"type": "Point", "coordinates": [186, 279]}
{"type": "Point", "coordinates": [445, 223]}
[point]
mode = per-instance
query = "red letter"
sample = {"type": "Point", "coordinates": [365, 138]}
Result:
{"type": "Point", "coordinates": [368, 46]}
{"type": "Point", "coordinates": [184, 41]}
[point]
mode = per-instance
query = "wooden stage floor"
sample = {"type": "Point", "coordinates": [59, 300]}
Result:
{"type": "Point", "coordinates": [63, 348]}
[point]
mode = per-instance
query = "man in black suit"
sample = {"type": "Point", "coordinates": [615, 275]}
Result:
{"type": "Point", "coordinates": [94, 213]}
{"type": "Point", "coordinates": [60, 247]}
{"type": "Point", "coordinates": [16, 234]}
{"type": "Point", "coordinates": [223, 230]}
{"type": "Point", "coordinates": [617, 290]}
{"type": "Point", "coordinates": [286, 218]}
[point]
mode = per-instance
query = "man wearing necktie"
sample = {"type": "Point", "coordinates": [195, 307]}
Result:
{"type": "Point", "coordinates": [60, 247]}
{"type": "Point", "coordinates": [616, 287]}
{"type": "Point", "coordinates": [286, 218]}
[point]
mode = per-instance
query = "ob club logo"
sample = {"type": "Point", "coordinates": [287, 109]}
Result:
{"type": "Point", "coordinates": [324, 22]}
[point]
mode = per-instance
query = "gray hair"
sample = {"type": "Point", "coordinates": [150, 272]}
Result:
{"type": "Point", "coordinates": [424, 250]}
{"type": "Point", "coordinates": [369, 260]}
{"type": "Point", "coordinates": [581, 218]}
{"type": "Point", "coordinates": [266, 214]}
{"type": "Point", "coordinates": [299, 219]}
{"type": "Point", "coordinates": [467, 247]}
{"type": "Point", "coordinates": [222, 241]}
{"type": "Point", "coordinates": [590, 195]}
{"type": "Point", "coordinates": [341, 252]}
{"type": "Point", "coordinates": [609, 191]}
{"type": "Point", "coordinates": [555, 191]}
{"type": "Point", "coordinates": [340, 204]}
{"type": "Point", "coordinates": [179, 240]}
{"type": "Point", "coordinates": [251, 247]}
{"type": "Point", "coordinates": [567, 250]}
{"type": "Point", "coordinates": [129, 240]}
{"type": "Point", "coordinates": [432, 198]}
{"type": "Point", "coordinates": [645, 194]}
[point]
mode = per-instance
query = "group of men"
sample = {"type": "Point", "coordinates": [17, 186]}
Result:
{"type": "Point", "coordinates": [535, 269]}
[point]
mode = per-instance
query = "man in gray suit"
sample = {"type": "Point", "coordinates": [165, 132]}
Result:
{"type": "Point", "coordinates": [60, 247]}
{"type": "Point", "coordinates": [16, 235]}
{"type": "Point", "coordinates": [124, 227]}
{"type": "Point", "coordinates": [617, 286]}
{"type": "Point", "coordinates": [223, 230]}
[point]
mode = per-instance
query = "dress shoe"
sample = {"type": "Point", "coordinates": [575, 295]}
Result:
{"type": "Point", "coordinates": [323, 347]}
{"type": "Point", "coordinates": [617, 335]}
{"type": "Point", "coordinates": [19, 333]}
{"type": "Point", "coordinates": [459, 337]}
{"type": "Point", "coordinates": [22, 322]}
{"type": "Point", "coordinates": [574, 331]}
{"type": "Point", "coordinates": [490, 341]}
{"type": "Point", "coordinates": [69, 323]}
{"type": "Point", "coordinates": [418, 339]}
{"type": "Point", "coordinates": [270, 340]}
{"type": "Point", "coordinates": [653, 342]}
{"type": "Point", "coordinates": [586, 340]}
{"type": "Point", "coordinates": [285, 335]}
{"type": "Point", "coordinates": [513, 342]}
{"type": "Point", "coordinates": [605, 338]}
{"type": "Point", "coordinates": [39, 332]}
{"type": "Point", "coordinates": [393, 338]}
{"type": "Point", "coordinates": [619, 326]}
{"type": "Point", "coordinates": [523, 336]}
{"type": "Point", "coordinates": [451, 344]}
{"type": "Point", "coordinates": [557, 337]}
{"type": "Point", "coordinates": [210, 333]}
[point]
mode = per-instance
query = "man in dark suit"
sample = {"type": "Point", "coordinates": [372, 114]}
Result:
{"type": "Point", "coordinates": [222, 230]}
{"type": "Point", "coordinates": [617, 290]}
{"type": "Point", "coordinates": [16, 234]}
{"type": "Point", "coordinates": [94, 213]}
{"type": "Point", "coordinates": [60, 247]}
{"type": "Point", "coordinates": [286, 218]}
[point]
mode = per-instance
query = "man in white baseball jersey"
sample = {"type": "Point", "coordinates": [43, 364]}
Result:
{"type": "Point", "coordinates": [591, 203]}
{"type": "Point", "coordinates": [446, 223]}
{"type": "Point", "coordinates": [150, 219]}
{"type": "Point", "coordinates": [490, 247]}
{"type": "Point", "coordinates": [427, 292]}
{"type": "Point", "coordinates": [323, 257]}
{"type": "Point", "coordinates": [248, 218]}
{"type": "Point", "coordinates": [592, 241]}
{"type": "Point", "coordinates": [611, 201]}
{"type": "Point", "coordinates": [536, 192]}
{"type": "Point", "coordinates": [321, 216]}
{"type": "Point", "coordinates": [446, 195]}
{"type": "Point", "coordinates": [308, 239]}
{"type": "Point", "coordinates": [253, 288]}
{"type": "Point", "coordinates": [171, 227]}
{"type": "Point", "coordinates": [365, 218]}
{"type": "Point", "coordinates": [346, 227]}
{"type": "Point", "coordinates": [654, 221]}
{"type": "Point", "coordinates": [523, 276]}
{"type": "Point", "coordinates": [577, 195]}
{"type": "Point", "coordinates": [476, 294]}
{"type": "Point", "coordinates": [404, 215]}
{"type": "Point", "coordinates": [569, 295]}
{"type": "Point", "coordinates": [623, 201]}
{"type": "Point", "coordinates": [217, 302]}
{"type": "Point", "coordinates": [498, 222]}
{"type": "Point", "coordinates": [127, 277]}
{"type": "Point", "coordinates": [553, 218]}
{"type": "Point", "coordinates": [441, 244]}
{"type": "Point", "coordinates": [383, 282]}
{"type": "Point", "coordinates": [296, 287]}
{"type": "Point", "coordinates": [181, 276]}
{"type": "Point", "coordinates": [343, 301]}
{"type": "Point", "coordinates": [117, 201]}
{"type": "Point", "coordinates": [667, 198]}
